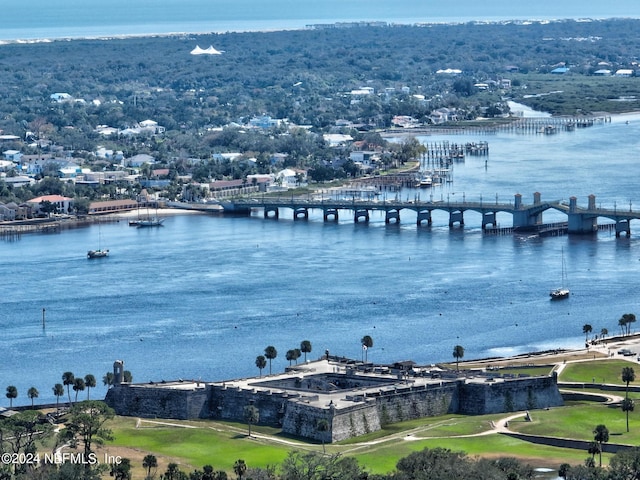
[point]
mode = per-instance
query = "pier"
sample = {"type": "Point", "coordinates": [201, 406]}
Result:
{"type": "Point", "coordinates": [526, 217]}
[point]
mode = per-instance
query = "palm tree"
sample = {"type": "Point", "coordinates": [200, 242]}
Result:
{"type": "Point", "coordinates": [127, 377]}
{"type": "Point", "coordinates": [12, 392]}
{"type": "Point", "coordinates": [251, 416]}
{"type": "Point", "coordinates": [67, 379]}
{"type": "Point", "coordinates": [600, 436]}
{"type": "Point", "coordinates": [58, 391]}
{"type": "Point", "coordinates": [628, 376]}
{"type": "Point", "coordinates": [458, 353]}
{"type": "Point", "coordinates": [90, 382]}
{"type": "Point", "coordinates": [149, 462]}
{"type": "Point", "coordinates": [173, 472]}
{"type": "Point", "coordinates": [33, 393]}
{"type": "Point", "coordinates": [107, 379]}
{"type": "Point", "coordinates": [367, 343]}
{"type": "Point", "coordinates": [290, 355]}
{"type": "Point", "coordinates": [628, 319]}
{"type": "Point", "coordinates": [603, 333]}
{"type": "Point", "coordinates": [240, 468]}
{"type": "Point", "coordinates": [322, 426]}
{"type": "Point", "coordinates": [270, 353]}
{"type": "Point", "coordinates": [261, 362]}
{"type": "Point", "coordinates": [586, 329]}
{"type": "Point", "coordinates": [296, 354]}
{"type": "Point", "coordinates": [305, 347]}
{"type": "Point", "coordinates": [622, 323]}
{"type": "Point", "coordinates": [78, 386]}
{"type": "Point", "coordinates": [628, 405]}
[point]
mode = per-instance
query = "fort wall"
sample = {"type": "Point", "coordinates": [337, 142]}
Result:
{"type": "Point", "coordinates": [149, 402]}
{"type": "Point", "coordinates": [357, 411]}
{"type": "Point", "coordinates": [509, 395]}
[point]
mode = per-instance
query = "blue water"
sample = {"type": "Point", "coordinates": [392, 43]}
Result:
{"type": "Point", "coordinates": [39, 19]}
{"type": "Point", "coordinates": [202, 296]}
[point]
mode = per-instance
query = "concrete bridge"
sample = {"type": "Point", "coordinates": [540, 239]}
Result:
{"type": "Point", "coordinates": [525, 216]}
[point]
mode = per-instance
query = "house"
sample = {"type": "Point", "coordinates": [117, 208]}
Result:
{"type": "Point", "coordinates": [60, 97]}
{"type": "Point", "coordinates": [151, 126]}
{"type": "Point", "coordinates": [7, 213]}
{"type": "Point", "coordinates": [289, 178]}
{"type": "Point", "coordinates": [624, 72]}
{"type": "Point", "coordinates": [560, 70]}
{"type": "Point", "coordinates": [139, 160]}
{"type": "Point", "coordinates": [362, 91]}
{"type": "Point", "coordinates": [442, 115]}
{"type": "Point", "coordinates": [105, 130]}
{"type": "Point", "coordinates": [337, 139]}
{"type": "Point", "coordinates": [62, 204]}
{"type": "Point", "coordinates": [14, 156]}
{"type": "Point", "coordinates": [69, 170]}
{"type": "Point", "coordinates": [264, 122]}
{"type": "Point", "coordinates": [404, 121]}
{"type": "Point", "coordinates": [19, 181]}
{"type": "Point", "coordinates": [6, 165]}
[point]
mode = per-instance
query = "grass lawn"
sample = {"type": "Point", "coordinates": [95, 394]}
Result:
{"type": "Point", "coordinates": [383, 458]}
{"type": "Point", "coordinates": [578, 421]}
{"type": "Point", "coordinates": [194, 444]}
{"type": "Point", "coordinates": [197, 443]}
{"type": "Point", "coordinates": [603, 371]}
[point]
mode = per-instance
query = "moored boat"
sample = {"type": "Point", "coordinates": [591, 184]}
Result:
{"type": "Point", "coordinates": [561, 292]}
{"type": "Point", "coordinates": [100, 253]}
{"type": "Point", "coordinates": [150, 222]}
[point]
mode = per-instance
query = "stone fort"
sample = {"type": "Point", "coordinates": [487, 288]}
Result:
{"type": "Point", "coordinates": [353, 398]}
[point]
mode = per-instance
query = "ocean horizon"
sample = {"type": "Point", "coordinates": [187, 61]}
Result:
{"type": "Point", "coordinates": [44, 20]}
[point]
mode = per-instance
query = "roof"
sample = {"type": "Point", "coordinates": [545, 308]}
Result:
{"type": "Point", "coordinates": [50, 198]}
{"type": "Point", "coordinates": [208, 51]}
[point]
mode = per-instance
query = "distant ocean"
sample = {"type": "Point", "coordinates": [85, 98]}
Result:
{"type": "Point", "coordinates": [55, 19]}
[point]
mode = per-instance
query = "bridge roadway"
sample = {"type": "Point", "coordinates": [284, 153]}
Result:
{"type": "Point", "coordinates": [525, 217]}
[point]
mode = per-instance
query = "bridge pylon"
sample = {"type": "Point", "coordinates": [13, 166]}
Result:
{"type": "Point", "coordinates": [582, 222]}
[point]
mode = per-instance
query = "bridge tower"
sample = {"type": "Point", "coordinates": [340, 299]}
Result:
{"type": "Point", "coordinates": [582, 222]}
{"type": "Point", "coordinates": [526, 217]}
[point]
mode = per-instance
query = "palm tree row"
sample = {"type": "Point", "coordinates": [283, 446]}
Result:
{"type": "Point", "coordinates": [270, 353]}
{"type": "Point", "coordinates": [78, 385]}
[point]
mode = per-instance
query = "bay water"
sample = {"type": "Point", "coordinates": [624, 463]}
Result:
{"type": "Point", "coordinates": [202, 296]}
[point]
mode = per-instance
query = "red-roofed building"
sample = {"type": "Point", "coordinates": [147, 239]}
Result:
{"type": "Point", "coordinates": [62, 204]}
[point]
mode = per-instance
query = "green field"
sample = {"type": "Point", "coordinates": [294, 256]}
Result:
{"type": "Point", "coordinates": [600, 371]}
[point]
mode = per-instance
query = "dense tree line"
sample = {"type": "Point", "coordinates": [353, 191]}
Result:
{"type": "Point", "coordinates": [302, 75]}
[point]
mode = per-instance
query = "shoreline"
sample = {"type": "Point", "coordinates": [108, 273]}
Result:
{"type": "Point", "coordinates": [311, 24]}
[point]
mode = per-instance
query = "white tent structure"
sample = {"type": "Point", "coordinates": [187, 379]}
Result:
{"type": "Point", "coordinates": [202, 51]}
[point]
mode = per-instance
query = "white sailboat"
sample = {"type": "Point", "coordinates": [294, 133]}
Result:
{"type": "Point", "coordinates": [562, 291]}
{"type": "Point", "coordinates": [100, 252]}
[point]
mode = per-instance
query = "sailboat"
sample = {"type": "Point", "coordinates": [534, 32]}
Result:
{"type": "Point", "coordinates": [100, 252]}
{"type": "Point", "coordinates": [149, 221]}
{"type": "Point", "coordinates": [562, 291]}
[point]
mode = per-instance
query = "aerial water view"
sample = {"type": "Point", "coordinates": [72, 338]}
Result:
{"type": "Point", "coordinates": [346, 240]}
